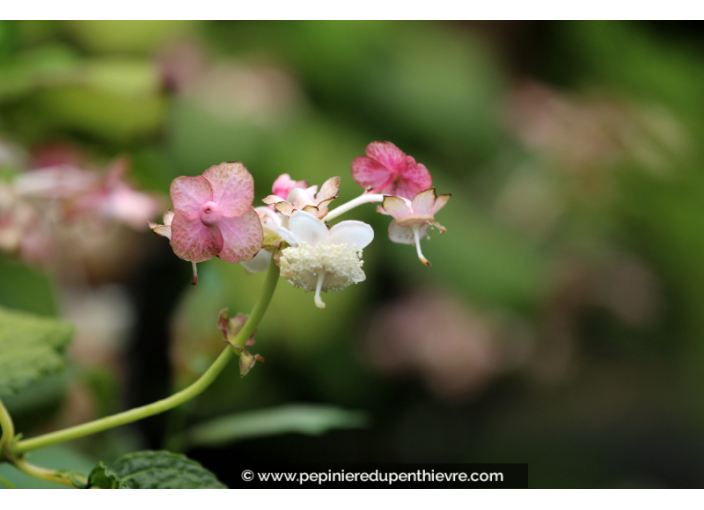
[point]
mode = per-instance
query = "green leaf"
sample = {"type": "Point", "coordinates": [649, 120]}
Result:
{"type": "Point", "coordinates": [30, 347]}
{"type": "Point", "coordinates": [102, 477]}
{"type": "Point", "coordinates": [154, 470]}
{"type": "Point", "coordinates": [300, 418]}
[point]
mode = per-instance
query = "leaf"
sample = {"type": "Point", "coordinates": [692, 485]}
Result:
{"type": "Point", "coordinates": [103, 478]}
{"type": "Point", "coordinates": [30, 347]}
{"type": "Point", "coordinates": [154, 470]}
{"type": "Point", "coordinates": [300, 418]}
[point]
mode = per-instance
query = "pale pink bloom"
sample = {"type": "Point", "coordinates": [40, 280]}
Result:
{"type": "Point", "coordinates": [388, 170]}
{"type": "Point", "coordinates": [284, 184]}
{"type": "Point", "coordinates": [213, 215]}
{"type": "Point", "coordinates": [413, 218]}
{"type": "Point", "coordinates": [63, 181]}
{"type": "Point", "coordinates": [300, 199]}
{"type": "Point", "coordinates": [320, 259]}
{"type": "Point", "coordinates": [457, 350]}
{"type": "Point", "coordinates": [114, 200]}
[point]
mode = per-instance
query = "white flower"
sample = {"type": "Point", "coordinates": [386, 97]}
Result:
{"type": "Point", "coordinates": [320, 259]}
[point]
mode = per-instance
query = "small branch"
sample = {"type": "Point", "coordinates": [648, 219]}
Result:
{"type": "Point", "coordinates": [363, 199]}
{"type": "Point", "coordinates": [174, 400]}
{"type": "Point", "coordinates": [8, 429]}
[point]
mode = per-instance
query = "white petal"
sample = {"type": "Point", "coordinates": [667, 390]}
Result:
{"type": "Point", "coordinates": [403, 235]}
{"type": "Point", "coordinates": [352, 233]}
{"type": "Point", "coordinates": [287, 236]}
{"type": "Point", "coordinates": [299, 198]}
{"type": "Point", "coordinates": [307, 228]}
{"type": "Point", "coordinates": [259, 263]}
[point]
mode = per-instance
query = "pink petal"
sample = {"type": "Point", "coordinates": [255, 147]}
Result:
{"type": "Point", "coordinates": [233, 188]}
{"type": "Point", "coordinates": [329, 189]}
{"type": "Point", "coordinates": [414, 179]}
{"type": "Point", "coordinates": [273, 199]}
{"type": "Point", "coordinates": [369, 173]}
{"type": "Point", "coordinates": [352, 233]}
{"type": "Point", "coordinates": [284, 208]}
{"type": "Point", "coordinates": [440, 202]}
{"type": "Point", "coordinates": [423, 202]}
{"type": "Point", "coordinates": [388, 155]}
{"type": "Point", "coordinates": [188, 194]}
{"type": "Point", "coordinates": [284, 184]}
{"type": "Point", "coordinates": [396, 207]}
{"type": "Point", "coordinates": [242, 237]}
{"type": "Point", "coordinates": [193, 241]}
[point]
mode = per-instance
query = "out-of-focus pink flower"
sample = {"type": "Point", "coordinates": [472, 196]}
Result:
{"type": "Point", "coordinates": [413, 218]}
{"type": "Point", "coordinates": [387, 169]}
{"type": "Point", "coordinates": [113, 199]}
{"type": "Point", "coordinates": [283, 185]}
{"type": "Point", "coordinates": [62, 182]}
{"type": "Point", "coordinates": [457, 350]}
{"type": "Point", "coordinates": [306, 200]}
{"type": "Point", "coordinates": [214, 215]}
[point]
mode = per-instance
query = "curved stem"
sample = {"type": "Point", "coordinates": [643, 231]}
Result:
{"type": "Point", "coordinates": [368, 198]}
{"type": "Point", "coordinates": [8, 429]}
{"type": "Point", "coordinates": [174, 400]}
{"type": "Point", "coordinates": [48, 475]}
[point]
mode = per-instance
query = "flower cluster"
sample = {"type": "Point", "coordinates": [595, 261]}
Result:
{"type": "Point", "coordinates": [36, 205]}
{"type": "Point", "coordinates": [213, 217]}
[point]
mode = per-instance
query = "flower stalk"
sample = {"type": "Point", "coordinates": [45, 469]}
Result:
{"type": "Point", "coordinates": [367, 198]}
{"type": "Point", "coordinates": [174, 400]}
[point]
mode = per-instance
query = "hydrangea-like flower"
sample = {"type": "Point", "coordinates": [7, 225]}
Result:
{"type": "Point", "coordinates": [283, 185]}
{"type": "Point", "coordinates": [413, 218]}
{"type": "Point", "coordinates": [320, 259]}
{"type": "Point", "coordinates": [388, 170]}
{"type": "Point", "coordinates": [213, 215]}
{"type": "Point", "coordinates": [300, 199]}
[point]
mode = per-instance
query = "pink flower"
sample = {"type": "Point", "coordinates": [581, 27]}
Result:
{"type": "Point", "coordinates": [413, 218]}
{"type": "Point", "coordinates": [306, 199]}
{"type": "Point", "coordinates": [213, 215]}
{"type": "Point", "coordinates": [386, 169]}
{"type": "Point", "coordinates": [284, 184]}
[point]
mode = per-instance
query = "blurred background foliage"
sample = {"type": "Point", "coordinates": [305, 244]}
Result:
{"type": "Point", "coordinates": [561, 323]}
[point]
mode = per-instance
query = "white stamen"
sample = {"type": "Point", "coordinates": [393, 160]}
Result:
{"type": "Point", "coordinates": [318, 301]}
{"type": "Point", "coordinates": [363, 199]}
{"type": "Point", "coordinates": [416, 229]}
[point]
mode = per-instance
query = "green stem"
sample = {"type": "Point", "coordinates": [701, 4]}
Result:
{"type": "Point", "coordinates": [174, 400]}
{"type": "Point", "coordinates": [8, 429]}
{"type": "Point", "coordinates": [48, 475]}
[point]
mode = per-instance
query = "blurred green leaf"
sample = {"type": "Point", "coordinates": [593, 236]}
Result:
{"type": "Point", "coordinates": [154, 470]}
{"type": "Point", "coordinates": [299, 418]}
{"type": "Point", "coordinates": [30, 347]}
{"type": "Point", "coordinates": [120, 36]}
{"type": "Point", "coordinates": [25, 288]}
{"type": "Point", "coordinates": [102, 477]}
